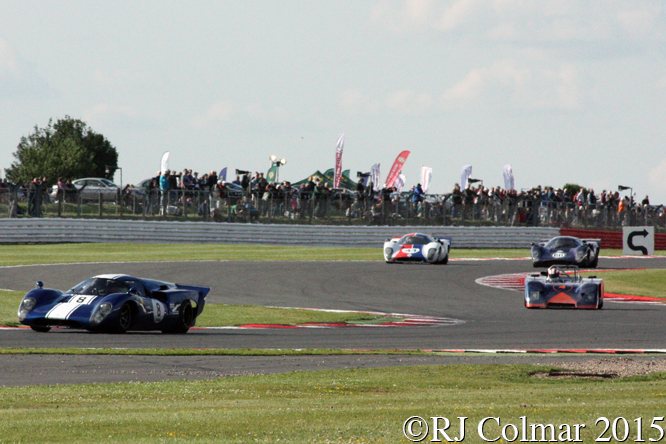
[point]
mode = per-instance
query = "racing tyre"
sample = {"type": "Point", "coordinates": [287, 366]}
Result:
{"type": "Point", "coordinates": [125, 316]}
{"type": "Point", "coordinates": [445, 260]}
{"type": "Point", "coordinates": [600, 303]}
{"type": "Point", "coordinates": [595, 262]}
{"type": "Point", "coordinates": [185, 320]}
{"type": "Point", "coordinates": [40, 329]}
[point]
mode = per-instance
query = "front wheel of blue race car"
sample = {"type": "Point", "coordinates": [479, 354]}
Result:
{"type": "Point", "coordinates": [124, 321]}
{"type": "Point", "coordinates": [40, 329]}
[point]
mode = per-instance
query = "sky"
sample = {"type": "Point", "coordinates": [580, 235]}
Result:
{"type": "Point", "coordinates": [564, 91]}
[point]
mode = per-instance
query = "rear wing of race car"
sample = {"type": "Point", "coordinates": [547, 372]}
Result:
{"type": "Point", "coordinates": [448, 239]}
{"type": "Point", "coordinates": [592, 241]}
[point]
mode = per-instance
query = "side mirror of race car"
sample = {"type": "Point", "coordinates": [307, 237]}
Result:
{"type": "Point", "coordinates": [40, 284]}
{"type": "Point", "coordinates": [133, 290]}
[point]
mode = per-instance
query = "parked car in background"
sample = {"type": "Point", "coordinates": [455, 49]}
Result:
{"type": "Point", "coordinates": [90, 188]}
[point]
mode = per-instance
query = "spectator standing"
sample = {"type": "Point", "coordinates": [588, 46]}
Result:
{"type": "Point", "coordinates": [165, 186]}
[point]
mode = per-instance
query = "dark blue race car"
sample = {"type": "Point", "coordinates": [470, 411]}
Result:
{"type": "Point", "coordinates": [563, 287]}
{"type": "Point", "coordinates": [566, 250]}
{"type": "Point", "coordinates": [114, 303]}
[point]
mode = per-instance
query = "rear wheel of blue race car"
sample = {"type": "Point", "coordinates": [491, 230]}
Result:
{"type": "Point", "coordinates": [185, 319]}
{"type": "Point", "coordinates": [595, 262]}
{"type": "Point", "coordinates": [125, 317]}
{"type": "Point", "coordinates": [40, 328]}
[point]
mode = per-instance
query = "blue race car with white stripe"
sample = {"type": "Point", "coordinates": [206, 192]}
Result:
{"type": "Point", "coordinates": [114, 303]}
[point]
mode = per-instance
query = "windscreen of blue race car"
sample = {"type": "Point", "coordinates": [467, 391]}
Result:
{"type": "Point", "coordinates": [99, 287]}
{"type": "Point", "coordinates": [562, 242]}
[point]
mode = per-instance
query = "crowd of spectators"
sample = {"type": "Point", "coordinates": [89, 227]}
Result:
{"type": "Point", "coordinates": [251, 196]}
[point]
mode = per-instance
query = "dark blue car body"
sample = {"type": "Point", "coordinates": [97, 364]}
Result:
{"type": "Point", "coordinates": [563, 289]}
{"type": "Point", "coordinates": [566, 250]}
{"type": "Point", "coordinates": [115, 303]}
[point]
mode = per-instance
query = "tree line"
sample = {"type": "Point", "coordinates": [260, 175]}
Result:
{"type": "Point", "coordinates": [66, 149]}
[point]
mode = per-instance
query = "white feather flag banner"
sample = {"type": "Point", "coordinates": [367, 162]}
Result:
{"type": "Point", "coordinates": [508, 178]}
{"type": "Point", "coordinates": [426, 177]}
{"type": "Point", "coordinates": [399, 183]}
{"type": "Point", "coordinates": [164, 165]}
{"type": "Point", "coordinates": [374, 176]}
{"type": "Point", "coordinates": [338, 161]}
{"type": "Point", "coordinates": [465, 174]}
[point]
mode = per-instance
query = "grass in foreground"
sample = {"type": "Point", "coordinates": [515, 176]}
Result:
{"type": "Point", "coordinates": [346, 406]}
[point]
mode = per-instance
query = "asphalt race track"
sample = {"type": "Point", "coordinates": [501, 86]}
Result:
{"type": "Point", "coordinates": [491, 318]}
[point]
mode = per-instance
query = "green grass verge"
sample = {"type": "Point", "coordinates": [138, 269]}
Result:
{"type": "Point", "coordinates": [221, 315]}
{"type": "Point", "coordinates": [345, 406]}
{"type": "Point", "coordinates": [634, 282]}
{"type": "Point", "coordinates": [216, 315]}
{"type": "Point", "coordinates": [120, 252]}
{"type": "Point", "coordinates": [30, 254]}
{"type": "Point", "coordinates": [217, 352]}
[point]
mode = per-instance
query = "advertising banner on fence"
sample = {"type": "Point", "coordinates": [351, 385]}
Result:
{"type": "Point", "coordinates": [396, 168]}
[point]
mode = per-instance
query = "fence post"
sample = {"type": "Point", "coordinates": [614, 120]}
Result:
{"type": "Point", "coordinates": [101, 204]}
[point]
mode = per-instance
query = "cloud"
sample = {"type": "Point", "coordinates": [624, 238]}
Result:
{"type": "Point", "coordinates": [509, 84]}
{"type": "Point", "coordinates": [216, 113]}
{"type": "Point", "coordinates": [105, 110]}
{"type": "Point", "coordinates": [402, 102]}
{"type": "Point", "coordinates": [119, 116]}
{"type": "Point", "coordinates": [18, 78]}
{"type": "Point", "coordinates": [657, 178]}
{"type": "Point", "coordinates": [529, 23]}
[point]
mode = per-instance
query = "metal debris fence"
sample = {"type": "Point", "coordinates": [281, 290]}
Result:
{"type": "Point", "coordinates": [338, 208]}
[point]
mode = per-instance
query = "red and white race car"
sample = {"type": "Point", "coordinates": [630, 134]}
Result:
{"type": "Point", "coordinates": [417, 247]}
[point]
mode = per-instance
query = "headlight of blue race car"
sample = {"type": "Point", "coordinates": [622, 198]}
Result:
{"type": "Point", "coordinates": [26, 306]}
{"type": "Point", "coordinates": [101, 313]}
